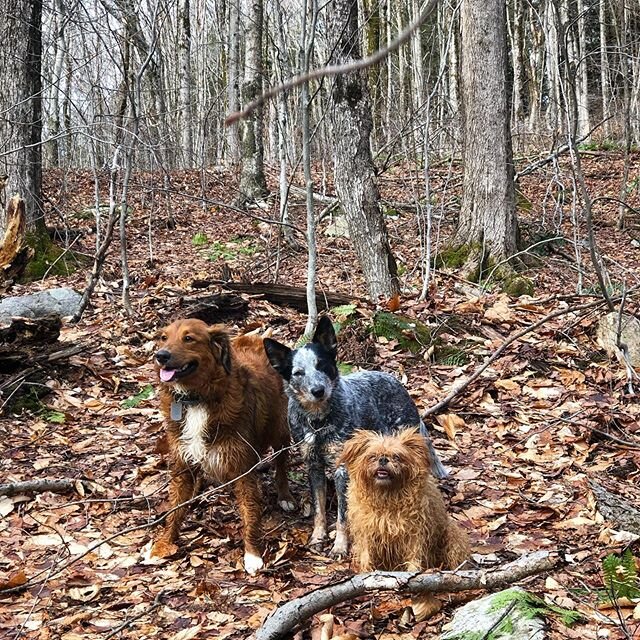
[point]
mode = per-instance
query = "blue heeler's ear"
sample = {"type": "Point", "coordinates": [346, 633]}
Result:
{"type": "Point", "coordinates": [325, 335]}
{"type": "Point", "coordinates": [279, 356]}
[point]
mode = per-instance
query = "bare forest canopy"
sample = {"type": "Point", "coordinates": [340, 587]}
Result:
{"type": "Point", "coordinates": [182, 67]}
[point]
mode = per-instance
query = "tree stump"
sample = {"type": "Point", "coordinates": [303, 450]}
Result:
{"type": "Point", "coordinates": [14, 253]}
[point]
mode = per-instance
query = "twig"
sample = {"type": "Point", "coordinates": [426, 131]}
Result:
{"type": "Point", "coordinates": [509, 341]}
{"type": "Point", "coordinates": [530, 168]}
{"type": "Point", "coordinates": [284, 619]}
{"type": "Point", "coordinates": [337, 69]}
{"type": "Point", "coordinates": [40, 486]}
{"type": "Point", "coordinates": [156, 603]}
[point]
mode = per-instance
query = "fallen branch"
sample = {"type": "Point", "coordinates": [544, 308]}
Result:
{"type": "Point", "coordinates": [40, 486]}
{"type": "Point", "coordinates": [457, 390]}
{"type": "Point", "coordinates": [292, 613]}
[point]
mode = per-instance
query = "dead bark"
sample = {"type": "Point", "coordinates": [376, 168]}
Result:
{"type": "Point", "coordinates": [14, 254]}
{"type": "Point", "coordinates": [40, 486]}
{"type": "Point", "coordinates": [616, 509]}
{"type": "Point", "coordinates": [280, 294]}
{"type": "Point", "coordinates": [283, 620]}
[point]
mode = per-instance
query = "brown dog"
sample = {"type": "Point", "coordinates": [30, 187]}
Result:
{"type": "Point", "coordinates": [224, 407]}
{"type": "Point", "coordinates": [396, 514]}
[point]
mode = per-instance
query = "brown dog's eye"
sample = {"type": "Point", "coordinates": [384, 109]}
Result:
{"type": "Point", "coordinates": [187, 339]}
{"type": "Point", "coordinates": [163, 338]}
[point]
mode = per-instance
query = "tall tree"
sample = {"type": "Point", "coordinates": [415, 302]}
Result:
{"type": "Point", "coordinates": [184, 47]}
{"type": "Point", "coordinates": [351, 124]}
{"type": "Point", "coordinates": [20, 104]}
{"type": "Point", "coordinates": [487, 224]}
{"type": "Point", "coordinates": [253, 184]}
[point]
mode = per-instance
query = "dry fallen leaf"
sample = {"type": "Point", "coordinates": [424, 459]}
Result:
{"type": "Point", "coordinates": [451, 423]}
{"type": "Point", "coordinates": [16, 579]}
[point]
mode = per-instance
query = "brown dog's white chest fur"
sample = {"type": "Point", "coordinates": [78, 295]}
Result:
{"type": "Point", "coordinates": [193, 446]}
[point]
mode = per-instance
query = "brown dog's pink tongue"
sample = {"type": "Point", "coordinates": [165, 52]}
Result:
{"type": "Point", "coordinates": [167, 374]}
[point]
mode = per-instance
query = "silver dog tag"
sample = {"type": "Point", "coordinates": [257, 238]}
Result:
{"type": "Point", "coordinates": [176, 410]}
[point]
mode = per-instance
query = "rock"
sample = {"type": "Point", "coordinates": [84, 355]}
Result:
{"type": "Point", "coordinates": [616, 509]}
{"type": "Point", "coordinates": [630, 335]}
{"type": "Point", "coordinates": [338, 228]}
{"type": "Point", "coordinates": [61, 302]}
{"type": "Point", "coordinates": [499, 616]}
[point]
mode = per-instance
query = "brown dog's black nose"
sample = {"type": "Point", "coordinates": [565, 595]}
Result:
{"type": "Point", "coordinates": [163, 356]}
{"type": "Point", "coordinates": [383, 461]}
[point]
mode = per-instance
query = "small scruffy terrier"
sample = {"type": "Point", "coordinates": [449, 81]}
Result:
{"type": "Point", "coordinates": [397, 517]}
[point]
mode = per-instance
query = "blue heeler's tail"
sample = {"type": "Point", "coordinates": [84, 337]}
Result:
{"type": "Point", "coordinates": [437, 467]}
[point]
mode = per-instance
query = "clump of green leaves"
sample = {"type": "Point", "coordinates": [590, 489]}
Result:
{"type": "Point", "coordinates": [200, 239]}
{"type": "Point", "coordinates": [532, 606]}
{"type": "Point", "coordinates": [621, 576]}
{"type": "Point", "coordinates": [144, 394]}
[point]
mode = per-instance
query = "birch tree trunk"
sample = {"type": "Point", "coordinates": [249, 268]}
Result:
{"type": "Point", "coordinates": [253, 185]}
{"type": "Point", "coordinates": [186, 114]}
{"type": "Point", "coordinates": [605, 86]}
{"type": "Point", "coordinates": [582, 78]}
{"type": "Point", "coordinates": [487, 224]}
{"type": "Point", "coordinates": [350, 115]}
{"type": "Point", "coordinates": [21, 107]}
{"type": "Point", "coordinates": [233, 86]}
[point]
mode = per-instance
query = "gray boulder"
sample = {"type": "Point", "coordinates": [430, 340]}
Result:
{"type": "Point", "coordinates": [499, 616]}
{"type": "Point", "coordinates": [62, 302]}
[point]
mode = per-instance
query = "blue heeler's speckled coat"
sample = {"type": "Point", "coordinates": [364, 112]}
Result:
{"type": "Point", "coordinates": [326, 408]}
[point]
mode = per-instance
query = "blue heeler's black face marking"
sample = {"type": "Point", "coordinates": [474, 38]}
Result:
{"type": "Point", "coordinates": [310, 371]}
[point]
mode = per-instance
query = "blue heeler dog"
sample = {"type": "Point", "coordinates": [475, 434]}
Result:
{"type": "Point", "coordinates": [324, 410]}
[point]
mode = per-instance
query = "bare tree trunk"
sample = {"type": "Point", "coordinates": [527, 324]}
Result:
{"type": "Point", "coordinates": [487, 222]}
{"type": "Point", "coordinates": [186, 115]}
{"type": "Point", "coordinates": [305, 55]}
{"type": "Point", "coordinates": [60, 43]}
{"type": "Point", "coordinates": [605, 82]}
{"type": "Point", "coordinates": [21, 107]}
{"type": "Point", "coordinates": [350, 115]}
{"type": "Point", "coordinates": [582, 80]}
{"type": "Point", "coordinates": [516, 30]}
{"type": "Point", "coordinates": [233, 75]}
{"type": "Point", "coordinates": [253, 184]}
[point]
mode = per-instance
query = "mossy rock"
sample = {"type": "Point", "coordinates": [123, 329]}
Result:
{"type": "Point", "coordinates": [49, 258]}
{"type": "Point", "coordinates": [453, 257]}
{"type": "Point", "coordinates": [411, 334]}
{"type": "Point", "coordinates": [512, 614]}
{"type": "Point", "coordinates": [517, 285]}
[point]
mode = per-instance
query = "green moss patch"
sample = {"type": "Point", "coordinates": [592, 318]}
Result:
{"type": "Point", "coordinates": [50, 259]}
{"type": "Point", "coordinates": [410, 334]}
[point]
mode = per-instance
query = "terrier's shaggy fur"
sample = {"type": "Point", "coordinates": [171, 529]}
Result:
{"type": "Point", "coordinates": [397, 517]}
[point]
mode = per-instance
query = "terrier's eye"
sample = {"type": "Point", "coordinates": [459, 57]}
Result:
{"type": "Point", "coordinates": [187, 339]}
{"type": "Point", "coordinates": [395, 457]}
{"type": "Point", "coordinates": [298, 374]}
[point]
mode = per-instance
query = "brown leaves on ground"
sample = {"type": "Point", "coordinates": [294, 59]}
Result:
{"type": "Point", "coordinates": [522, 442]}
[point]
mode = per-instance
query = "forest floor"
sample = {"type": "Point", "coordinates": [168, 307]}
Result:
{"type": "Point", "coordinates": [523, 442]}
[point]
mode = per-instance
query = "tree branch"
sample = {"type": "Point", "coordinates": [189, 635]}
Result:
{"type": "Point", "coordinates": [284, 619]}
{"type": "Point", "coordinates": [337, 69]}
{"type": "Point", "coordinates": [40, 486]}
{"type": "Point", "coordinates": [457, 390]}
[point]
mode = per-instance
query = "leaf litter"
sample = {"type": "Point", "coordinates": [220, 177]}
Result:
{"type": "Point", "coordinates": [522, 441]}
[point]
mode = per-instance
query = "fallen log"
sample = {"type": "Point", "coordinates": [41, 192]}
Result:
{"type": "Point", "coordinates": [283, 295]}
{"type": "Point", "coordinates": [285, 618]}
{"type": "Point", "coordinates": [219, 307]}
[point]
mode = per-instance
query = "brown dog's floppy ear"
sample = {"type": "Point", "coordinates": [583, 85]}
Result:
{"type": "Point", "coordinates": [355, 446]}
{"type": "Point", "coordinates": [220, 345]}
{"type": "Point", "coordinates": [325, 335]}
